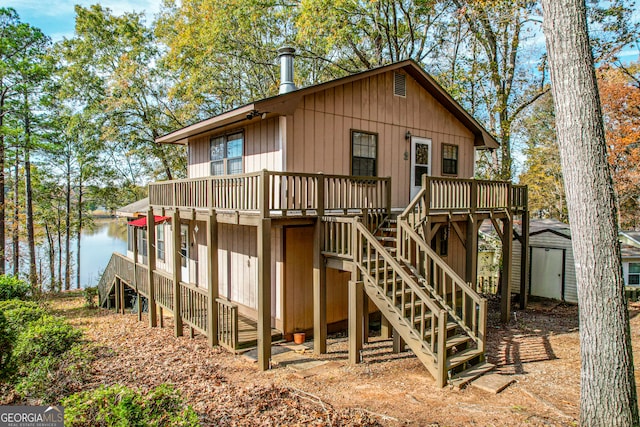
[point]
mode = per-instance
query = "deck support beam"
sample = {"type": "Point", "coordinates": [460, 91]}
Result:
{"type": "Point", "coordinates": [212, 278]}
{"type": "Point", "coordinates": [507, 243]}
{"type": "Point", "coordinates": [264, 293]}
{"type": "Point", "coordinates": [319, 292]}
{"type": "Point", "coordinates": [356, 297]}
{"type": "Point", "coordinates": [524, 260]}
{"type": "Point", "coordinates": [385, 328]}
{"type": "Point", "coordinates": [177, 272]}
{"type": "Point", "coordinates": [151, 266]}
{"type": "Point", "coordinates": [471, 273]}
{"type": "Point", "coordinates": [116, 292]}
{"type": "Point", "coordinates": [122, 300]}
{"type": "Point", "coordinates": [398, 344]}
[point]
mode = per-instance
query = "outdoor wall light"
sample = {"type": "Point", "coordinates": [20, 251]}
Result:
{"type": "Point", "coordinates": [407, 135]}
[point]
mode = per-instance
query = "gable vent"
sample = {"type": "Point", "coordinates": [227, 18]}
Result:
{"type": "Point", "coordinates": [399, 84]}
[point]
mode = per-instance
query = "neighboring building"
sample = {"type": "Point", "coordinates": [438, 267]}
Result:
{"type": "Point", "coordinates": [304, 211]}
{"type": "Point", "coordinates": [630, 247]}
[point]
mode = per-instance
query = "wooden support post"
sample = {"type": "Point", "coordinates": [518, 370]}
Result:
{"type": "Point", "coordinates": [160, 316]}
{"type": "Point", "coordinates": [135, 277]}
{"type": "Point", "coordinates": [471, 273]}
{"type": "Point", "coordinates": [212, 278]}
{"type": "Point", "coordinates": [507, 242]}
{"type": "Point", "coordinates": [524, 261]}
{"type": "Point", "coordinates": [443, 372]}
{"type": "Point", "coordinates": [264, 293]}
{"type": "Point", "coordinates": [398, 343]}
{"type": "Point", "coordinates": [365, 317]}
{"type": "Point", "coordinates": [385, 328]}
{"type": "Point", "coordinates": [355, 320]}
{"type": "Point", "coordinates": [116, 291]}
{"type": "Point", "coordinates": [122, 298]}
{"type": "Point", "coordinates": [177, 273]}
{"type": "Point", "coordinates": [319, 292]}
{"type": "Point", "coordinates": [151, 266]}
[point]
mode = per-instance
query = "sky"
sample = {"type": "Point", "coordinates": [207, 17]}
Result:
{"type": "Point", "coordinates": [56, 18]}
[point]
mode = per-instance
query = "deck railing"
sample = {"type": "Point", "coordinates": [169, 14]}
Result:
{"type": "Point", "coordinates": [119, 266]}
{"type": "Point", "coordinates": [227, 324]}
{"type": "Point", "coordinates": [193, 308]}
{"type": "Point", "coordinates": [163, 289]}
{"type": "Point", "coordinates": [466, 195]}
{"type": "Point", "coordinates": [275, 193]}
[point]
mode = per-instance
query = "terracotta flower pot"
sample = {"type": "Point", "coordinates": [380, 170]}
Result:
{"type": "Point", "coordinates": [299, 337]}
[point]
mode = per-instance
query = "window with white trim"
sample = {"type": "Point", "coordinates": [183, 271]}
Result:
{"type": "Point", "coordinates": [160, 241]}
{"type": "Point", "coordinates": [633, 277]}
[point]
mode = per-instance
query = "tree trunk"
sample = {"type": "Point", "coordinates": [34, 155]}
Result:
{"type": "Point", "coordinates": [31, 240]}
{"type": "Point", "coordinates": [67, 238]}
{"type": "Point", "coordinates": [608, 392]}
{"type": "Point", "coordinates": [79, 233]}
{"type": "Point", "coordinates": [2, 184]}
{"type": "Point", "coordinates": [16, 215]}
{"type": "Point", "coordinates": [59, 228]}
{"type": "Point", "coordinates": [52, 258]}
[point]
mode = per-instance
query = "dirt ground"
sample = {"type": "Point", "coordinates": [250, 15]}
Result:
{"type": "Point", "coordinates": [538, 349]}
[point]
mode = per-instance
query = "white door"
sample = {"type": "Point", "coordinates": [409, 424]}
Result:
{"type": "Point", "coordinates": [546, 272]}
{"type": "Point", "coordinates": [184, 252]}
{"type": "Point", "coordinates": [420, 162]}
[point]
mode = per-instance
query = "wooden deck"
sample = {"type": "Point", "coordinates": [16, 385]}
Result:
{"type": "Point", "coordinates": [248, 333]}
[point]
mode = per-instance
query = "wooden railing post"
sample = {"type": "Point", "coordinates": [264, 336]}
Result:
{"type": "Point", "coordinates": [320, 194]}
{"type": "Point", "coordinates": [482, 324]}
{"type": "Point", "coordinates": [135, 277]}
{"type": "Point", "coordinates": [426, 184]}
{"type": "Point", "coordinates": [212, 278]}
{"type": "Point", "coordinates": [388, 195]}
{"type": "Point", "coordinates": [177, 272]}
{"type": "Point", "coordinates": [151, 266]}
{"type": "Point", "coordinates": [263, 194]}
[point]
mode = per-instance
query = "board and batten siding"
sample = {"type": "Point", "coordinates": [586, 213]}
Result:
{"type": "Point", "coordinates": [550, 240]}
{"type": "Point", "coordinates": [262, 148]}
{"type": "Point", "coordinates": [238, 268]}
{"type": "Point", "coordinates": [320, 139]}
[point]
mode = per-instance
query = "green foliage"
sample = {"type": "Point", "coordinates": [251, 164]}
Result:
{"type": "Point", "coordinates": [48, 378]}
{"type": "Point", "coordinates": [19, 314]}
{"type": "Point", "coordinates": [5, 343]}
{"type": "Point", "coordinates": [13, 288]}
{"type": "Point", "coordinates": [47, 336]}
{"type": "Point", "coordinates": [90, 294]}
{"type": "Point", "coordinates": [121, 406]}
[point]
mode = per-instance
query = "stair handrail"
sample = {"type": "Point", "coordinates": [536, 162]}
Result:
{"type": "Point", "coordinates": [481, 302]}
{"type": "Point", "coordinates": [390, 259]}
{"type": "Point", "coordinates": [107, 278]}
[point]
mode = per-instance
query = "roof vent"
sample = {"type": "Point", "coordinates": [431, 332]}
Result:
{"type": "Point", "coordinates": [286, 69]}
{"type": "Point", "coordinates": [399, 84]}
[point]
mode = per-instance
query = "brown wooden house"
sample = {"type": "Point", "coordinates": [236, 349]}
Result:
{"type": "Point", "coordinates": [317, 206]}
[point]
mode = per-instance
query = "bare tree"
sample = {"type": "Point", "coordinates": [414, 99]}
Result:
{"type": "Point", "coordinates": [608, 392]}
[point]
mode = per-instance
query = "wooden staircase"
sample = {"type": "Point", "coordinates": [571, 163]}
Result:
{"type": "Point", "coordinates": [439, 317]}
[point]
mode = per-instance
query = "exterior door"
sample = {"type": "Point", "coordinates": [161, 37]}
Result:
{"type": "Point", "coordinates": [184, 252]}
{"type": "Point", "coordinates": [420, 162]}
{"type": "Point", "coordinates": [546, 272]}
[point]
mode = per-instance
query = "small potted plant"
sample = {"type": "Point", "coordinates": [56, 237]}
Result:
{"type": "Point", "coordinates": [299, 337]}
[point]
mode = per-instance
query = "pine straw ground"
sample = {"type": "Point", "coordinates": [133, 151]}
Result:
{"type": "Point", "coordinates": [539, 349]}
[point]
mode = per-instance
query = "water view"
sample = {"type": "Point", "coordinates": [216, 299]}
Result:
{"type": "Point", "coordinates": [97, 245]}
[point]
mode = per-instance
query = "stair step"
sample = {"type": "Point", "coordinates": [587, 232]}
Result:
{"type": "Point", "coordinates": [461, 357]}
{"type": "Point", "coordinates": [386, 239]}
{"type": "Point", "coordinates": [460, 379]}
{"type": "Point", "coordinates": [388, 229]}
{"type": "Point", "coordinates": [456, 340]}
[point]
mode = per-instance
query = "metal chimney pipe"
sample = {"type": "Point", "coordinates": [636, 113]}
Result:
{"type": "Point", "coordinates": [286, 69]}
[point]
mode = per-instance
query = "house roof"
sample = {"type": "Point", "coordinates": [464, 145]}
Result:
{"type": "Point", "coordinates": [134, 209]}
{"type": "Point", "coordinates": [285, 103]}
{"type": "Point", "coordinates": [633, 236]}
{"type": "Point", "coordinates": [536, 226]}
{"type": "Point", "coordinates": [629, 251]}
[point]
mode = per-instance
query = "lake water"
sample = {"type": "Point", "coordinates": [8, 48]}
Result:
{"type": "Point", "coordinates": [97, 245]}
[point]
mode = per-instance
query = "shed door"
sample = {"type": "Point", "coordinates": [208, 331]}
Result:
{"type": "Point", "coordinates": [546, 272]}
{"type": "Point", "coordinates": [420, 162]}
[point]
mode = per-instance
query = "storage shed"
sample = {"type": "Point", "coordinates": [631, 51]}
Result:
{"type": "Point", "coordinates": [552, 271]}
